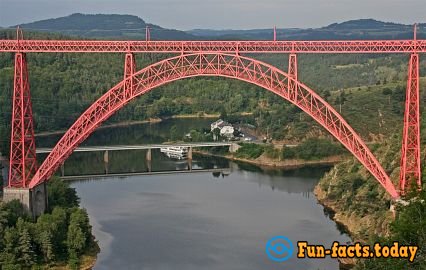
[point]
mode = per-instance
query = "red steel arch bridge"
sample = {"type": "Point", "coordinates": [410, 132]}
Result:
{"type": "Point", "coordinates": [228, 59]}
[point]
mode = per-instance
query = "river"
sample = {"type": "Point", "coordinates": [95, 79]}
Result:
{"type": "Point", "coordinates": [195, 220]}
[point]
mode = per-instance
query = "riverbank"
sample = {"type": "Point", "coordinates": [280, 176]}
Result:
{"type": "Point", "coordinates": [358, 204]}
{"type": "Point", "coordinates": [265, 161]}
{"type": "Point", "coordinates": [86, 261]}
{"type": "Point", "coordinates": [60, 239]}
{"type": "Point", "coordinates": [356, 201]}
{"type": "Point", "coordinates": [120, 124]}
{"type": "Point", "coordinates": [172, 211]}
{"type": "Point", "coordinates": [139, 122]}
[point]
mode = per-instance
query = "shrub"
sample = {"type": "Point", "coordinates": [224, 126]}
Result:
{"type": "Point", "coordinates": [250, 150]}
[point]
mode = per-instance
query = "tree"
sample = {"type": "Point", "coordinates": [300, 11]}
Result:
{"type": "Point", "coordinates": [15, 210]}
{"type": "Point", "coordinates": [9, 254]}
{"type": "Point", "coordinates": [408, 229]}
{"type": "Point", "coordinates": [60, 194]}
{"type": "Point", "coordinates": [386, 91]}
{"type": "Point", "coordinates": [326, 94]}
{"type": "Point", "coordinates": [79, 231]}
{"type": "Point", "coordinates": [3, 224]}
{"type": "Point", "coordinates": [46, 246]}
{"type": "Point", "coordinates": [76, 239]}
{"type": "Point", "coordinates": [26, 249]}
{"type": "Point", "coordinates": [216, 134]}
{"type": "Point", "coordinates": [288, 153]}
{"type": "Point", "coordinates": [60, 218]}
{"type": "Point", "coordinates": [73, 261]}
{"type": "Point", "coordinates": [47, 229]}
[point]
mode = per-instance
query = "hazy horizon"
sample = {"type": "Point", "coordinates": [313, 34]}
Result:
{"type": "Point", "coordinates": [221, 14]}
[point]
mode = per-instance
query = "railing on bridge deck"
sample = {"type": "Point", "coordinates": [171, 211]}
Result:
{"type": "Point", "coordinates": [140, 147]}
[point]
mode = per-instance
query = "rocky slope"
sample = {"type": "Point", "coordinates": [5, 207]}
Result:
{"type": "Point", "coordinates": [358, 200]}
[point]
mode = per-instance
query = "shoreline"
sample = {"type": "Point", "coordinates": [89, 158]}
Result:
{"type": "Point", "coordinates": [337, 217]}
{"type": "Point", "coordinates": [282, 164]}
{"type": "Point", "coordinates": [119, 124]}
{"type": "Point", "coordinates": [139, 122]}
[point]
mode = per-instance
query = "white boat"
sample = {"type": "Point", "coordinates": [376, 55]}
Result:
{"type": "Point", "coordinates": [176, 152]}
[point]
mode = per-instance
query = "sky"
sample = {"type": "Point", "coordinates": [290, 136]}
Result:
{"type": "Point", "coordinates": [221, 14]}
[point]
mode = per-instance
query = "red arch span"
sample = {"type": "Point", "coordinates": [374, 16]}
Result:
{"type": "Point", "coordinates": [212, 64]}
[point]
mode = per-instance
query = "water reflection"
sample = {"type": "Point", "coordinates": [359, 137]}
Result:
{"type": "Point", "coordinates": [135, 134]}
{"type": "Point", "coordinates": [301, 180]}
{"type": "Point", "coordinates": [194, 221]}
{"type": "Point", "coordinates": [201, 221]}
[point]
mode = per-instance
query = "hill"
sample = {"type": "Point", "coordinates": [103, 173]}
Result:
{"type": "Point", "coordinates": [354, 29]}
{"type": "Point", "coordinates": [105, 26]}
{"type": "Point", "coordinates": [132, 27]}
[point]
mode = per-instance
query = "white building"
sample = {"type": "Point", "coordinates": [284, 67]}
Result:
{"type": "Point", "coordinates": [216, 124]}
{"type": "Point", "coordinates": [226, 129]}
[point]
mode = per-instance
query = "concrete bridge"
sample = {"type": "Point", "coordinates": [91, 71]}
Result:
{"type": "Point", "coordinates": [224, 171]}
{"type": "Point", "coordinates": [233, 147]}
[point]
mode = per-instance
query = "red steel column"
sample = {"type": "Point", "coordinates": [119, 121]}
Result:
{"type": "Point", "coordinates": [23, 162]}
{"type": "Point", "coordinates": [410, 154]}
{"type": "Point", "coordinates": [292, 72]}
{"type": "Point", "coordinates": [129, 70]}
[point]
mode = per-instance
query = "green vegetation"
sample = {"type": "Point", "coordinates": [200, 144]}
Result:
{"type": "Point", "coordinates": [368, 90]}
{"type": "Point", "coordinates": [57, 237]}
{"type": "Point", "coordinates": [407, 229]}
{"type": "Point", "coordinates": [250, 150]}
{"type": "Point", "coordinates": [313, 148]}
{"type": "Point", "coordinates": [106, 26]}
{"type": "Point", "coordinates": [64, 85]}
{"type": "Point", "coordinates": [310, 149]}
{"type": "Point", "coordinates": [363, 205]}
{"type": "Point", "coordinates": [127, 26]}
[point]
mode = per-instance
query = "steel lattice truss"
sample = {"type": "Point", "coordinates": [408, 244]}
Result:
{"type": "Point", "coordinates": [212, 64]}
{"type": "Point", "coordinates": [23, 162]}
{"type": "Point", "coordinates": [410, 155]}
{"type": "Point", "coordinates": [97, 46]}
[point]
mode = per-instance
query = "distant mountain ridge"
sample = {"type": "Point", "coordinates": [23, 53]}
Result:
{"type": "Point", "coordinates": [132, 27]}
{"type": "Point", "coordinates": [105, 25]}
{"type": "Point", "coordinates": [353, 29]}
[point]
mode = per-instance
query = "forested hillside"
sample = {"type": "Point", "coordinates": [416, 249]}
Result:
{"type": "Point", "coordinates": [362, 205]}
{"type": "Point", "coordinates": [132, 27]}
{"type": "Point", "coordinates": [105, 26]}
{"type": "Point", "coordinates": [367, 89]}
{"type": "Point", "coordinates": [59, 239]}
{"type": "Point", "coordinates": [353, 29]}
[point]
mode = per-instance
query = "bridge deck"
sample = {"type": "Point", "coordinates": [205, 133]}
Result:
{"type": "Point", "coordinates": [93, 176]}
{"type": "Point", "coordinates": [314, 46]}
{"type": "Point", "coordinates": [138, 147]}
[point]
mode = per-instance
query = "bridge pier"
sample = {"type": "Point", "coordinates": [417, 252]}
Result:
{"type": "Point", "coordinates": [148, 155]}
{"type": "Point", "coordinates": [234, 147]}
{"type": "Point", "coordinates": [22, 161]}
{"type": "Point", "coordinates": [34, 200]}
{"type": "Point", "coordinates": [106, 161]}
{"type": "Point", "coordinates": [149, 165]}
{"type": "Point", "coordinates": [410, 172]}
{"type": "Point", "coordinates": [190, 158]}
{"type": "Point", "coordinates": [149, 159]}
{"type": "Point", "coordinates": [190, 153]}
{"type": "Point", "coordinates": [106, 156]}
{"type": "Point", "coordinates": [190, 165]}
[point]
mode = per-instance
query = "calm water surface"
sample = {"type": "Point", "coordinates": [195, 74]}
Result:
{"type": "Point", "coordinates": [197, 220]}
